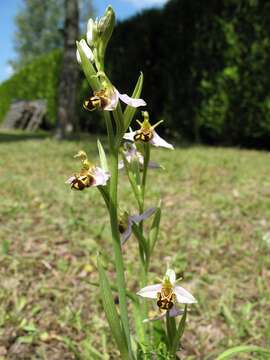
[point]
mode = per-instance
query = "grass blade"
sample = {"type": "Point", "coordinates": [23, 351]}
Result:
{"type": "Point", "coordinates": [228, 354]}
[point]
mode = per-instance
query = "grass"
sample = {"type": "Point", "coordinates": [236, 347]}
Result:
{"type": "Point", "coordinates": [215, 230]}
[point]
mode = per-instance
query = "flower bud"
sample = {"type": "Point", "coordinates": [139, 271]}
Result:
{"type": "Point", "coordinates": [92, 32]}
{"type": "Point", "coordinates": [87, 51]}
{"type": "Point", "coordinates": [106, 25]}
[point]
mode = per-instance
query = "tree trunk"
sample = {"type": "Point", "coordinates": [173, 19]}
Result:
{"type": "Point", "coordinates": [67, 118]}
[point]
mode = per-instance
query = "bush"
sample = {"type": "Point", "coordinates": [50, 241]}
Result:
{"type": "Point", "coordinates": [37, 80]}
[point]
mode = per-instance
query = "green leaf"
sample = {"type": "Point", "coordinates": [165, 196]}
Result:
{"type": "Point", "coordinates": [228, 354]}
{"type": "Point", "coordinates": [135, 168]}
{"type": "Point", "coordinates": [179, 332]}
{"type": "Point", "coordinates": [111, 312]}
{"type": "Point", "coordinates": [153, 234]}
{"type": "Point", "coordinates": [88, 69]}
{"type": "Point", "coordinates": [133, 182]}
{"type": "Point", "coordinates": [28, 339]}
{"type": "Point", "coordinates": [226, 312]}
{"type": "Point", "coordinates": [5, 246]}
{"type": "Point", "coordinates": [102, 156]}
{"type": "Point", "coordinates": [130, 111]}
{"type": "Point", "coordinates": [89, 352]}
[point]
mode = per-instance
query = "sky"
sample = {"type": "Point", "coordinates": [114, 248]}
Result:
{"type": "Point", "coordinates": [8, 10]}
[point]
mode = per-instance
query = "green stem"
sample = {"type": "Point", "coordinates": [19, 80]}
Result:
{"type": "Point", "coordinates": [119, 264]}
{"type": "Point", "coordinates": [144, 176]}
{"type": "Point", "coordinates": [171, 330]}
{"type": "Point", "coordinates": [109, 128]}
{"type": "Point", "coordinates": [113, 212]}
{"type": "Point", "coordinates": [145, 168]}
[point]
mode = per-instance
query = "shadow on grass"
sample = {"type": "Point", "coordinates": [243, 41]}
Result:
{"type": "Point", "coordinates": [10, 136]}
{"type": "Point", "coordinates": [19, 135]}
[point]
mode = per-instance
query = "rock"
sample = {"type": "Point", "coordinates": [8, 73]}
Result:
{"type": "Point", "coordinates": [26, 115]}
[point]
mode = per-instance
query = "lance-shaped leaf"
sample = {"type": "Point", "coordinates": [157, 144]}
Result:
{"type": "Point", "coordinates": [102, 156]}
{"type": "Point", "coordinates": [153, 234]}
{"type": "Point", "coordinates": [180, 331]}
{"type": "Point", "coordinates": [130, 111]}
{"type": "Point", "coordinates": [133, 182]}
{"type": "Point", "coordinates": [88, 69]}
{"type": "Point", "coordinates": [230, 353]}
{"type": "Point", "coordinates": [111, 312]}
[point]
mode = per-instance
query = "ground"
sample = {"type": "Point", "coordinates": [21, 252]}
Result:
{"type": "Point", "coordinates": [215, 231]}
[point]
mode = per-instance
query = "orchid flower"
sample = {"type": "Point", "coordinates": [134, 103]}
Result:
{"type": "Point", "coordinates": [147, 133]}
{"type": "Point", "coordinates": [130, 153]}
{"type": "Point", "coordinates": [89, 175]}
{"type": "Point", "coordinates": [126, 221]}
{"type": "Point", "coordinates": [107, 99]}
{"type": "Point", "coordinates": [167, 294]}
{"type": "Point", "coordinates": [87, 51]}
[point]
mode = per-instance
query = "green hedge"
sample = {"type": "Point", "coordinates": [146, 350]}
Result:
{"type": "Point", "coordinates": [37, 80]}
{"type": "Point", "coordinates": [206, 69]}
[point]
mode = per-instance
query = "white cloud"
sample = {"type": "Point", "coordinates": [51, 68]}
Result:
{"type": "Point", "coordinates": [9, 70]}
{"type": "Point", "coordinates": [139, 4]}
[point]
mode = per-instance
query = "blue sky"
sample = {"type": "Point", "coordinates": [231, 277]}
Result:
{"type": "Point", "coordinates": [8, 9]}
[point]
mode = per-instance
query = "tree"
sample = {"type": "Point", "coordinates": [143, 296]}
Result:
{"type": "Point", "coordinates": [40, 28]}
{"type": "Point", "coordinates": [38, 25]}
{"type": "Point", "coordinates": [69, 72]}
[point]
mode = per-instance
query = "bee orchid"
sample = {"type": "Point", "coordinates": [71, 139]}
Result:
{"type": "Point", "coordinates": [167, 295]}
{"type": "Point", "coordinates": [88, 176]}
{"type": "Point", "coordinates": [107, 99]}
{"type": "Point", "coordinates": [147, 133]}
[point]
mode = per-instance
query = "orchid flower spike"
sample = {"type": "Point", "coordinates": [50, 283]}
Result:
{"type": "Point", "coordinates": [130, 153]}
{"type": "Point", "coordinates": [90, 175]}
{"type": "Point", "coordinates": [147, 133]}
{"type": "Point", "coordinates": [126, 221]}
{"type": "Point", "coordinates": [87, 51]}
{"type": "Point", "coordinates": [167, 294]}
{"type": "Point", "coordinates": [107, 99]}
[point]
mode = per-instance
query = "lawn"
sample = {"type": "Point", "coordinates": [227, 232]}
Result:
{"type": "Point", "coordinates": [215, 231]}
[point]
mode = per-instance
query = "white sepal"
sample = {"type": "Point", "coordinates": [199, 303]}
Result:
{"type": "Point", "coordinates": [150, 291]}
{"type": "Point", "coordinates": [183, 296]}
{"type": "Point", "coordinates": [131, 101]}
{"type": "Point", "coordinates": [159, 142]}
{"type": "Point", "coordinates": [101, 177]}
